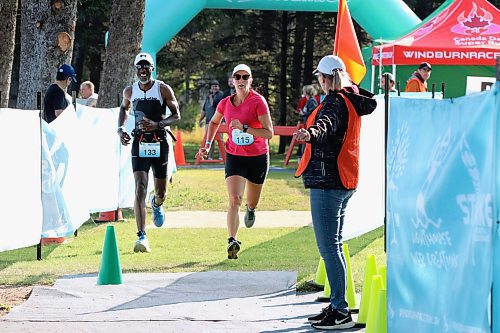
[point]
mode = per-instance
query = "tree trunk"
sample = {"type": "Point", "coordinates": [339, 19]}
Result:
{"type": "Point", "coordinates": [8, 8]}
{"type": "Point", "coordinates": [282, 77]}
{"type": "Point", "coordinates": [47, 34]}
{"type": "Point", "coordinates": [124, 42]}
{"type": "Point", "coordinates": [298, 48]}
{"type": "Point", "coordinates": [309, 52]}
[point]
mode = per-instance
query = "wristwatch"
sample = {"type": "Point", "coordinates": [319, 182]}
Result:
{"type": "Point", "coordinates": [245, 128]}
{"type": "Point", "coordinates": [161, 125]}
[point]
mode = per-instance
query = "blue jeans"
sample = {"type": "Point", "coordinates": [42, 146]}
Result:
{"type": "Point", "coordinates": [328, 211]}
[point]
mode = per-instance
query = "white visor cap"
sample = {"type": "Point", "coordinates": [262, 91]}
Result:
{"type": "Point", "coordinates": [328, 63]}
{"type": "Point", "coordinates": [143, 56]}
{"type": "Point", "coordinates": [242, 67]}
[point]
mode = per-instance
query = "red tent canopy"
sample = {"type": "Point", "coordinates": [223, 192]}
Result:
{"type": "Point", "coordinates": [465, 33]}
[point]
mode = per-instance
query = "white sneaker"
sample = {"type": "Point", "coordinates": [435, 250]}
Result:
{"type": "Point", "coordinates": [142, 245]}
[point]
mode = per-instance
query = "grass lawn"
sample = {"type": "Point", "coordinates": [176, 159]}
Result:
{"type": "Point", "coordinates": [176, 250]}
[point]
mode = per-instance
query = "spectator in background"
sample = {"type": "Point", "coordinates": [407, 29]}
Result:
{"type": "Point", "coordinates": [88, 94]}
{"type": "Point", "coordinates": [391, 82]}
{"type": "Point", "coordinates": [311, 102]}
{"type": "Point", "coordinates": [209, 106]}
{"type": "Point", "coordinates": [56, 98]}
{"type": "Point", "coordinates": [320, 95]}
{"type": "Point", "coordinates": [230, 90]}
{"type": "Point", "coordinates": [303, 99]}
{"type": "Point", "coordinates": [418, 80]}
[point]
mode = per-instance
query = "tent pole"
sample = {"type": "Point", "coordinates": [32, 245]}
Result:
{"type": "Point", "coordinates": [373, 78]}
{"type": "Point", "coordinates": [379, 67]}
{"type": "Point", "coordinates": [386, 122]}
{"type": "Point", "coordinates": [40, 114]}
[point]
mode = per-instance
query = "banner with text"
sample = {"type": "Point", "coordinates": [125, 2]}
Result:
{"type": "Point", "coordinates": [441, 176]}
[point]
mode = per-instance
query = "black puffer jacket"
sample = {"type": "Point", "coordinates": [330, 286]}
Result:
{"type": "Point", "coordinates": [327, 136]}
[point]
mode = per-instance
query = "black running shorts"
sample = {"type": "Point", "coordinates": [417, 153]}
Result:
{"type": "Point", "coordinates": [158, 164]}
{"type": "Point", "coordinates": [253, 168]}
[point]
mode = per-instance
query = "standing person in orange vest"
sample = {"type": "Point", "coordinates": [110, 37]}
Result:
{"type": "Point", "coordinates": [329, 168]}
{"type": "Point", "coordinates": [418, 80]}
{"type": "Point", "coordinates": [247, 147]}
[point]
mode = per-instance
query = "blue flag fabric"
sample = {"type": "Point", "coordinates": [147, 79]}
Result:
{"type": "Point", "coordinates": [441, 213]}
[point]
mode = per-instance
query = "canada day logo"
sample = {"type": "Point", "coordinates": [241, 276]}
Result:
{"type": "Point", "coordinates": [477, 22]}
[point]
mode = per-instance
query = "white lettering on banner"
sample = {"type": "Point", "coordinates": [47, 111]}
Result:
{"type": "Point", "coordinates": [436, 259]}
{"type": "Point", "coordinates": [419, 316]}
{"type": "Point", "coordinates": [477, 209]}
{"type": "Point", "coordinates": [418, 259]}
{"type": "Point", "coordinates": [384, 55]}
{"type": "Point", "coordinates": [442, 260]}
{"type": "Point", "coordinates": [422, 237]}
{"type": "Point", "coordinates": [474, 41]}
{"type": "Point", "coordinates": [461, 328]}
{"type": "Point", "coordinates": [490, 55]}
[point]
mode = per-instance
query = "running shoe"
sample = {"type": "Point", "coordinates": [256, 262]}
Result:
{"type": "Point", "coordinates": [158, 214]}
{"type": "Point", "coordinates": [233, 247]}
{"type": "Point", "coordinates": [249, 217]}
{"type": "Point", "coordinates": [142, 244]}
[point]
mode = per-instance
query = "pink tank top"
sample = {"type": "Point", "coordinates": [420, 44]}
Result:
{"type": "Point", "coordinates": [248, 113]}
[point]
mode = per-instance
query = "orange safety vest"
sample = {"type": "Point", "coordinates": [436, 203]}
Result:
{"type": "Point", "coordinates": [348, 159]}
{"type": "Point", "coordinates": [415, 85]}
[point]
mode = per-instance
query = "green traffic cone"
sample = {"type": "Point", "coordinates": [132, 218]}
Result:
{"type": "Point", "coordinates": [320, 273]}
{"type": "Point", "coordinates": [382, 270]}
{"type": "Point", "coordinates": [370, 270]}
{"type": "Point", "coordinates": [375, 287]}
{"type": "Point", "coordinates": [110, 271]}
{"type": "Point", "coordinates": [381, 316]}
{"type": "Point", "coordinates": [351, 291]}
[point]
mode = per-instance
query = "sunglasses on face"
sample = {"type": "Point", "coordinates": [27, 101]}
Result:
{"type": "Point", "coordinates": [143, 66]}
{"type": "Point", "coordinates": [239, 76]}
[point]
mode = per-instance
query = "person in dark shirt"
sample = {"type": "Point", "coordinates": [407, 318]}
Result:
{"type": "Point", "coordinates": [208, 110]}
{"type": "Point", "coordinates": [329, 167]}
{"type": "Point", "coordinates": [56, 98]}
{"type": "Point", "coordinates": [230, 87]}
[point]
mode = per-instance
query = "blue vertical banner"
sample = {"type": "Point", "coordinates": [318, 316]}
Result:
{"type": "Point", "coordinates": [441, 213]}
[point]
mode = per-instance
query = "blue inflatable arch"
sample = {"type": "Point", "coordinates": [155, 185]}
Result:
{"type": "Point", "coordinates": [165, 18]}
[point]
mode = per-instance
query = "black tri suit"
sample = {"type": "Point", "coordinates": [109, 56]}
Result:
{"type": "Point", "coordinates": [149, 149]}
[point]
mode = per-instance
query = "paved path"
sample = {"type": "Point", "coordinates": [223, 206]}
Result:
{"type": "Point", "coordinates": [214, 301]}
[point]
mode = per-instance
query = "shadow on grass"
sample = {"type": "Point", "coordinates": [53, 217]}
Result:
{"type": "Point", "coordinates": [296, 250]}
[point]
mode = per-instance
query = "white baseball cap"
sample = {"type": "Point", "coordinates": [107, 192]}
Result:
{"type": "Point", "coordinates": [242, 67]}
{"type": "Point", "coordinates": [328, 63]}
{"type": "Point", "coordinates": [143, 56]}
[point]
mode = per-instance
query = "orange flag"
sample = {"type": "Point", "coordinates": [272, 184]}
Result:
{"type": "Point", "coordinates": [346, 44]}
